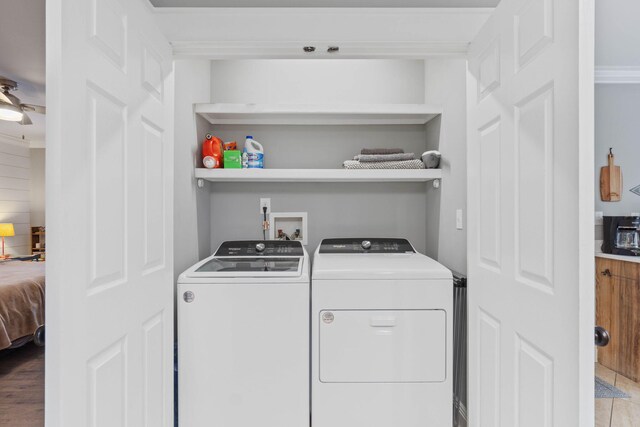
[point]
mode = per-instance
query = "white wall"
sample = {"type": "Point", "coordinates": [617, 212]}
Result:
{"type": "Point", "coordinates": [616, 105]}
{"type": "Point", "coordinates": [335, 209]}
{"type": "Point", "coordinates": [309, 81]}
{"type": "Point", "coordinates": [15, 193]}
{"type": "Point", "coordinates": [617, 34]}
{"type": "Point", "coordinates": [191, 205]}
{"type": "Point", "coordinates": [617, 126]}
{"type": "Point", "coordinates": [446, 86]}
{"type": "Point", "coordinates": [298, 26]}
{"type": "Point", "coordinates": [37, 187]}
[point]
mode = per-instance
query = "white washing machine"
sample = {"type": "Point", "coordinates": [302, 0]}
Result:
{"type": "Point", "coordinates": [381, 336]}
{"type": "Point", "coordinates": [243, 337]}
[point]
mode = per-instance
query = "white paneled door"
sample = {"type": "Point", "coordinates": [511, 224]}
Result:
{"type": "Point", "coordinates": [530, 197]}
{"type": "Point", "coordinates": [109, 307]}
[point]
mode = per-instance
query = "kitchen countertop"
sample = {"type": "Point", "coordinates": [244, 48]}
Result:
{"type": "Point", "coordinates": [600, 254]}
{"type": "Point", "coordinates": [619, 257]}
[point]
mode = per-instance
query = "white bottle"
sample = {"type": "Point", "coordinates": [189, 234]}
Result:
{"type": "Point", "coordinates": [255, 153]}
{"type": "Point", "coordinates": [245, 159]}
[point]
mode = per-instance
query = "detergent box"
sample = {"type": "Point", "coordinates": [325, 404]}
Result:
{"type": "Point", "coordinates": [232, 159]}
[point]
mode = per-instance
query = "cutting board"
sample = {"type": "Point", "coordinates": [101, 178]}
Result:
{"type": "Point", "coordinates": [610, 181]}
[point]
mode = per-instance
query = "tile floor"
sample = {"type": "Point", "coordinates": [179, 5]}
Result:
{"type": "Point", "coordinates": [22, 377]}
{"type": "Point", "coordinates": [618, 412]}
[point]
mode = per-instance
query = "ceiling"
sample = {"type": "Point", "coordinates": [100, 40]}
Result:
{"type": "Point", "coordinates": [325, 3]}
{"type": "Point", "coordinates": [22, 58]}
{"type": "Point", "coordinates": [22, 31]}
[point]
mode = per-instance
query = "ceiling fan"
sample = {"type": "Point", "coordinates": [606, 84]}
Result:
{"type": "Point", "coordinates": [11, 108]}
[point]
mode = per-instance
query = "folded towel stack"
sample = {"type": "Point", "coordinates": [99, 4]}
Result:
{"type": "Point", "coordinates": [384, 158]}
{"type": "Point", "coordinates": [403, 164]}
{"type": "Point", "coordinates": [381, 151]}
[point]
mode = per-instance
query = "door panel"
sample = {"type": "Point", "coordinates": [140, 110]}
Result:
{"type": "Point", "coordinates": [109, 355]}
{"type": "Point", "coordinates": [530, 119]}
{"type": "Point", "coordinates": [487, 365]}
{"type": "Point", "coordinates": [533, 146]}
{"type": "Point", "coordinates": [382, 346]}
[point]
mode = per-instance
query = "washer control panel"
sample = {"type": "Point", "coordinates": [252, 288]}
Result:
{"type": "Point", "coordinates": [260, 248]}
{"type": "Point", "coordinates": [366, 245]}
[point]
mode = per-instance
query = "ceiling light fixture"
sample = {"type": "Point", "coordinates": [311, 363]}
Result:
{"type": "Point", "coordinates": [10, 112]}
{"type": "Point", "coordinates": [11, 109]}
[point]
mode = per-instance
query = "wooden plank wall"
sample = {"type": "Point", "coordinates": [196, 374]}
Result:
{"type": "Point", "coordinates": [15, 193]}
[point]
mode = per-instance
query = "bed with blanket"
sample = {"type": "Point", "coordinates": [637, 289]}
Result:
{"type": "Point", "coordinates": [21, 301]}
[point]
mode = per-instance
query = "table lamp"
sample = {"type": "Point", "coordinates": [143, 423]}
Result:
{"type": "Point", "coordinates": [6, 230]}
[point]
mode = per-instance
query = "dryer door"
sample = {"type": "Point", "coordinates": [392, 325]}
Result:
{"type": "Point", "coordinates": [382, 346]}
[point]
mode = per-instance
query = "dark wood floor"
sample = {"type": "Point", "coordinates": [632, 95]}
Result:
{"type": "Point", "coordinates": [22, 387]}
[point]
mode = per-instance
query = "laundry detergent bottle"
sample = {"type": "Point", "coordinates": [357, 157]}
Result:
{"type": "Point", "coordinates": [212, 157]}
{"type": "Point", "coordinates": [255, 153]}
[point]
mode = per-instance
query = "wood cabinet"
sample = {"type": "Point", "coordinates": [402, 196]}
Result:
{"type": "Point", "coordinates": [618, 311]}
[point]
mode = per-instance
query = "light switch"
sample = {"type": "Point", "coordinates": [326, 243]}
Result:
{"type": "Point", "coordinates": [459, 219]}
{"type": "Point", "coordinates": [599, 216]}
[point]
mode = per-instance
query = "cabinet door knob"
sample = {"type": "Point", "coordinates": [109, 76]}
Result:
{"type": "Point", "coordinates": [602, 336]}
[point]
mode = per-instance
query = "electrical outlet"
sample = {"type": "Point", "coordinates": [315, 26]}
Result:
{"type": "Point", "coordinates": [265, 202]}
{"type": "Point", "coordinates": [459, 219]}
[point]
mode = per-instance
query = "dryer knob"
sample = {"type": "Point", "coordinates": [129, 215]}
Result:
{"type": "Point", "coordinates": [260, 247]}
{"type": "Point", "coordinates": [366, 244]}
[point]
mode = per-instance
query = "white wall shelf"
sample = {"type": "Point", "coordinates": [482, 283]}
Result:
{"type": "Point", "coordinates": [318, 175]}
{"type": "Point", "coordinates": [280, 114]}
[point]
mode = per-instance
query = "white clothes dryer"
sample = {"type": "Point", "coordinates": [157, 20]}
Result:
{"type": "Point", "coordinates": [243, 337]}
{"type": "Point", "coordinates": [381, 336]}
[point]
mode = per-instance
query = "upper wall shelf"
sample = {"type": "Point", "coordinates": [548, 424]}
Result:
{"type": "Point", "coordinates": [280, 114]}
{"type": "Point", "coordinates": [318, 175]}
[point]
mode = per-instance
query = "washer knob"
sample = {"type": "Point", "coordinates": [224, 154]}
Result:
{"type": "Point", "coordinates": [188, 296]}
{"type": "Point", "coordinates": [260, 247]}
{"type": "Point", "coordinates": [366, 244]}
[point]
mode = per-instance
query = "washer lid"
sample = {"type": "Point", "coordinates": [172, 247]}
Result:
{"type": "Point", "coordinates": [249, 259]}
{"type": "Point", "coordinates": [250, 264]}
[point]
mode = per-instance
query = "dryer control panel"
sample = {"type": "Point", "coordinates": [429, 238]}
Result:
{"type": "Point", "coordinates": [258, 248]}
{"type": "Point", "coordinates": [366, 245]}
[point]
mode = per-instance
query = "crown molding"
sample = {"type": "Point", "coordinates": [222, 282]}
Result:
{"type": "Point", "coordinates": [617, 75]}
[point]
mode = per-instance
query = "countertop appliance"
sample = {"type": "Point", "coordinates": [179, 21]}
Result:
{"type": "Point", "coordinates": [621, 235]}
{"type": "Point", "coordinates": [381, 336]}
{"type": "Point", "coordinates": [243, 337]}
